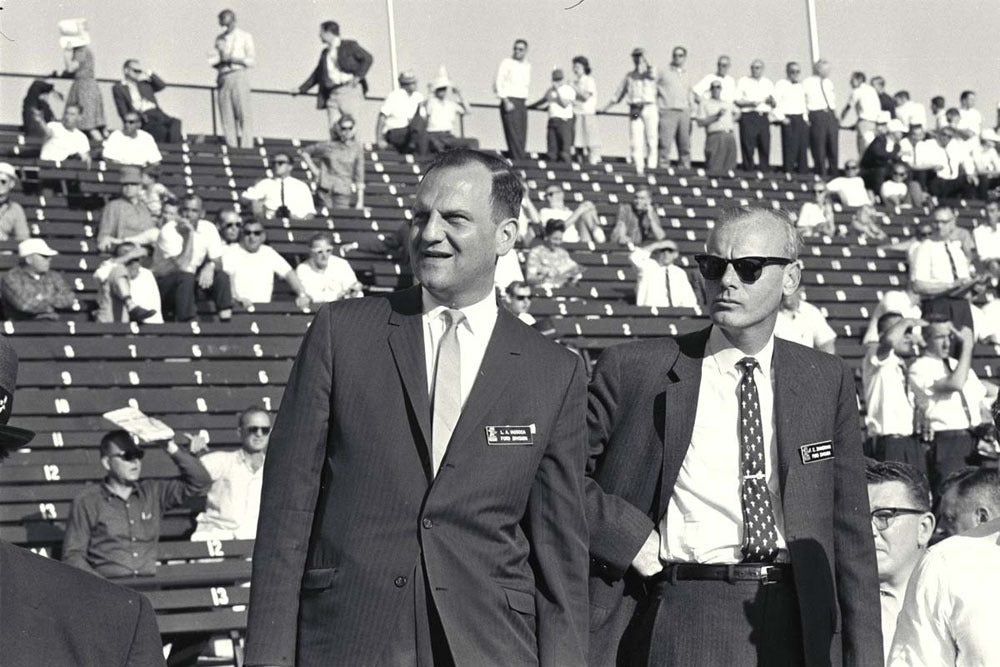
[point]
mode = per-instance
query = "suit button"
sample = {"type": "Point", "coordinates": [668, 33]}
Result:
{"type": "Point", "coordinates": [400, 582]}
{"type": "Point", "coordinates": [427, 523]}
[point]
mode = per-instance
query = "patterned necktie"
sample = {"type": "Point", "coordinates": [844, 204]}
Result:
{"type": "Point", "coordinates": [760, 535]}
{"type": "Point", "coordinates": [446, 400]}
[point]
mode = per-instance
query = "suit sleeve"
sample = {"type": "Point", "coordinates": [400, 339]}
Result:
{"type": "Point", "coordinates": [364, 60]}
{"type": "Point", "coordinates": [146, 648]}
{"type": "Point", "coordinates": [122, 101]}
{"type": "Point", "coordinates": [557, 530]}
{"type": "Point", "coordinates": [156, 83]}
{"type": "Point", "coordinates": [291, 486]}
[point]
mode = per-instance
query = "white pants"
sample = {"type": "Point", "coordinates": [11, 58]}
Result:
{"type": "Point", "coordinates": [234, 109]}
{"type": "Point", "coordinates": [643, 135]}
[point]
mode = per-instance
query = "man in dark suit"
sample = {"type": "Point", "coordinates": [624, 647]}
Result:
{"type": "Point", "coordinates": [137, 92]}
{"type": "Point", "coordinates": [339, 75]}
{"type": "Point", "coordinates": [423, 492]}
{"type": "Point", "coordinates": [54, 614]}
{"type": "Point", "coordinates": [726, 501]}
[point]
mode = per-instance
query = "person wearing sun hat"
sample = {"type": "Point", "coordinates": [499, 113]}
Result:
{"type": "Point", "coordinates": [52, 613]}
{"type": "Point", "coordinates": [402, 120]}
{"type": "Point", "coordinates": [31, 290]}
{"type": "Point", "coordinates": [13, 223]}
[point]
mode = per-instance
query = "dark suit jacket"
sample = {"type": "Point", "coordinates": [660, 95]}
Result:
{"type": "Point", "coordinates": [642, 404]}
{"type": "Point", "coordinates": [147, 91]}
{"type": "Point", "coordinates": [877, 154]}
{"type": "Point", "coordinates": [54, 614]}
{"type": "Point", "coordinates": [350, 506]}
{"type": "Point", "coordinates": [351, 58]}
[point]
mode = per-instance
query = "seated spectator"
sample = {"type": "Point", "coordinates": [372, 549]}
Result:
{"type": "Point", "coordinates": [718, 117]}
{"type": "Point", "coordinates": [442, 113]}
{"type": "Point", "coordinates": [637, 222]}
{"type": "Point", "coordinates": [252, 266]}
{"type": "Point", "coordinates": [869, 223]}
{"type": "Point", "coordinates": [956, 177]}
{"type": "Point", "coordinates": [508, 270]}
{"type": "Point", "coordinates": [281, 195]}
{"type": "Point", "coordinates": [986, 236]}
{"type": "Point", "coordinates": [923, 155]}
{"type": "Point", "coordinates": [558, 101]}
{"type": "Point", "coordinates": [341, 169]}
{"type": "Point", "coordinates": [402, 120]}
{"type": "Point", "coordinates": [899, 190]}
{"type": "Point", "coordinates": [661, 284]}
{"type": "Point", "coordinates": [36, 111]}
{"type": "Point", "coordinates": [908, 112]}
{"type": "Point", "coordinates": [127, 218]}
{"type": "Point", "coordinates": [801, 322]}
{"type": "Point", "coordinates": [64, 139]}
{"type": "Point", "coordinates": [130, 145]}
{"type": "Point", "coordinates": [153, 192]}
{"type": "Point", "coordinates": [187, 264]}
{"type": "Point", "coordinates": [517, 299]}
{"type": "Point", "coordinates": [941, 269]}
{"type": "Point", "coordinates": [549, 265]}
{"type": "Point", "coordinates": [849, 189]}
{"type": "Point", "coordinates": [582, 224]}
{"type": "Point", "coordinates": [816, 218]}
{"type": "Point", "coordinates": [229, 226]}
{"type": "Point", "coordinates": [882, 153]}
{"type": "Point", "coordinates": [233, 502]}
{"type": "Point", "coordinates": [987, 162]}
{"type": "Point", "coordinates": [324, 276]}
{"type": "Point", "coordinates": [970, 497]}
{"type": "Point", "coordinates": [136, 92]}
{"type": "Point", "coordinates": [31, 290]}
{"type": "Point", "coordinates": [127, 291]}
{"type": "Point", "coordinates": [900, 500]}
{"type": "Point", "coordinates": [13, 223]}
{"type": "Point", "coordinates": [904, 303]}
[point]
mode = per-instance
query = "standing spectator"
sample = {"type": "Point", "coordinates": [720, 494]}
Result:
{"type": "Point", "coordinates": [987, 162]}
{"type": "Point", "coordinates": [801, 322]}
{"type": "Point", "coordinates": [849, 189]}
{"type": "Point", "coordinates": [717, 116]}
{"type": "Point", "coordinates": [64, 139]}
{"type": "Point", "coordinates": [582, 224]}
{"type": "Point", "coordinates": [908, 112]}
{"type": "Point", "coordinates": [755, 100]}
{"type": "Point", "coordinates": [31, 290]}
{"type": "Point", "coordinates": [558, 100]}
{"type": "Point", "coordinates": [126, 218]}
{"type": "Point", "coordinates": [130, 145]}
{"type": "Point", "coordinates": [229, 225]}
{"type": "Point", "coordinates": [137, 92]}
{"type": "Point", "coordinates": [824, 128]}
{"type": "Point", "coordinates": [885, 100]}
{"type": "Point", "coordinates": [817, 217]}
{"type": "Point", "coordinates": [341, 169]}
{"type": "Point", "coordinates": [869, 223]}
{"type": "Point", "coordinates": [882, 153]}
{"type": "Point", "coordinates": [900, 190]}
{"type": "Point", "coordinates": [252, 266]}
{"type": "Point", "coordinates": [79, 62]}
{"type": "Point", "coordinates": [232, 505]}
{"type": "Point", "coordinates": [639, 91]}
{"type": "Point", "coordinates": [512, 86]}
{"type": "Point", "coordinates": [970, 120]}
{"type": "Point", "coordinates": [676, 100]}
{"type": "Point", "coordinates": [127, 291]}
{"type": "Point", "coordinates": [587, 137]}
{"type": "Point", "coordinates": [637, 221]}
{"type": "Point", "coordinates": [548, 264]}
{"type": "Point", "coordinates": [153, 193]}
{"type": "Point", "coordinates": [281, 195]}
{"type": "Point", "coordinates": [941, 269]}
{"type": "Point", "coordinates": [517, 298]}
{"type": "Point", "coordinates": [721, 74]}
{"type": "Point", "coordinates": [969, 497]}
{"type": "Point", "coordinates": [13, 223]}
{"type": "Point", "coordinates": [790, 111]}
{"type": "Point", "coordinates": [661, 283]}
{"type": "Point", "coordinates": [339, 75]}
{"type": "Point", "coordinates": [324, 276]}
{"type": "Point", "coordinates": [232, 58]}
{"type": "Point", "coordinates": [35, 108]}
{"type": "Point", "coordinates": [938, 112]}
{"type": "Point", "coordinates": [442, 113]}
{"type": "Point", "coordinates": [402, 120]}
{"type": "Point", "coordinates": [865, 102]}
{"type": "Point", "coordinates": [956, 176]}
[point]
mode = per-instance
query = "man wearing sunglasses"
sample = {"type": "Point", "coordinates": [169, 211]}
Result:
{"type": "Point", "coordinates": [13, 223]}
{"type": "Point", "coordinates": [252, 266]}
{"type": "Point", "coordinates": [136, 92]}
{"type": "Point", "coordinates": [726, 491]}
{"type": "Point", "coordinates": [130, 145]}
{"type": "Point", "coordinates": [280, 195]}
{"type": "Point", "coordinates": [338, 166]}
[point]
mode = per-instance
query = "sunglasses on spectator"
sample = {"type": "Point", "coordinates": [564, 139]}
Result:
{"type": "Point", "coordinates": [899, 173]}
{"type": "Point", "coordinates": [259, 430]}
{"type": "Point", "coordinates": [883, 516]}
{"type": "Point", "coordinates": [347, 127]}
{"type": "Point", "coordinates": [277, 162]}
{"type": "Point", "coordinates": [131, 121]}
{"type": "Point", "coordinates": [850, 167]}
{"type": "Point", "coordinates": [129, 456]}
{"type": "Point", "coordinates": [819, 191]}
{"type": "Point", "coordinates": [747, 268]}
{"type": "Point", "coordinates": [253, 232]}
{"type": "Point", "coordinates": [228, 225]}
{"type": "Point", "coordinates": [672, 251]}
{"type": "Point", "coordinates": [521, 297]}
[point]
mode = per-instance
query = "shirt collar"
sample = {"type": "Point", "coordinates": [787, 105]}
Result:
{"type": "Point", "coordinates": [479, 317]}
{"type": "Point", "coordinates": [726, 354]}
{"type": "Point", "coordinates": [891, 359]}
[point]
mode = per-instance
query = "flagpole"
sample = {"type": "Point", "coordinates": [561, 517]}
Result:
{"type": "Point", "coordinates": [394, 66]}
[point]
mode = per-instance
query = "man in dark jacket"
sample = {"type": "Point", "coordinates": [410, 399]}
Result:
{"type": "Point", "coordinates": [137, 92]}
{"type": "Point", "coordinates": [340, 74]}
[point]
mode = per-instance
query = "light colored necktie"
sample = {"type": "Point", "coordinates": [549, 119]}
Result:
{"type": "Point", "coordinates": [446, 401]}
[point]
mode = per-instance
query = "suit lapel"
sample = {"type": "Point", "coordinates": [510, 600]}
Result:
{"type": "Point", "coordinates": [791, 394]}
{"type": "Point", "coordinates": [406, 340]}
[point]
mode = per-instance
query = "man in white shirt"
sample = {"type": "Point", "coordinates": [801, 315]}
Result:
{"type": "Point", "coordinates": [956, 177]}
{"type": "Point", "coordinates": [969, 497]}
{"type": "Point", "coordinates": [755, 100]}
{"type": "Point", "coordinates": [790, 110]}
{"type": "Point", "coordinates": [941, 269]}
{"type": "Point", "coordinates": [232, 57]}
{"type": "Point", "coordinates": [910, 113]}
{"type": "Point", "coordinates": [252, 266]}
{"type": "Point", "coordinates": [987, 237]}
{"type": "Point", "coordinates": [970, 120]}
{"type": "Point", "coordinates": [128, 291]}
{"type": "Point", "coordinates": [866, 105]}
{"type": "Point", "coordinates": [722, 75]}
{"type": "Point", "coordinates": [324, 276]}
{"type": "Point", "coordinates": [582, 223]}
{"type": "Point", "coordinates": [801, 322]}
{"type": "Point", "coordinates": [923, 154]}
{"type": "Point", "coordinates": [281, 195]}
{"type": "Point", "coordinates": [64, 139]}
{"type": "Point", "coordinates": [660, 283]}
{"type": "Point", "coordinates": [824, 127]}
{"type": "Point", "coordinates": [517, 299]}
{"type": "Point", "coordinates": [511, 86]}
{"type": "Point", "coordinates": [130, 145]}
{"type": "Point", "coordinates": [402, 119]}
{"type": "Point", "coordinates": [638, 89]}
{"type": "Point", "coordinates": [850, 188]}
{"type": "Point", "coordinates": [558, 100]}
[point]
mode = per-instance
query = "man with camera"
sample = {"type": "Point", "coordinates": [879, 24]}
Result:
{"type": "Point", "coordinates": [638, 89]}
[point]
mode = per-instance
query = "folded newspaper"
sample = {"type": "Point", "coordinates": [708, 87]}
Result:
{"type": "Point", "coordinates": [143, 427]}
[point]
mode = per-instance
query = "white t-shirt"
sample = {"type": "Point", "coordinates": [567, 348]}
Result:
{"type": "Point", "coordinates": [987, 241]}
{"type": "Point", "coordinates": [399, 108]}
{"type": "Point", "coordinates": [441, 114]}
{"type": "Point", "coordinates": [298, 196]}
{"type": "Point", "coordinates": [252, 273]}
{"type": "Point", "coordinates": [892, 188]}
{"type": "Point", "coordinates": [63, 143]}
{"type": "Point", "coordinates": [850, 189]}
{"type": "Point", "coordinates": [807, 327]}
{"type": "Point", "coordinates": [139, 150]}
{"type": "Point", "coordinates": [143, 288]}
{"type": "Point", "coordinates": [810, 215]}
{"type": "Point", "coordinates": [972, 120]}
{"type": "Point", "coordinates": [566, 95]}
{"type": "Point", "coordinates": [328, 285]}
{"type": "Point", "coordinates": [864, 100]}
{"type": "Point", "coordinates": [207, 244]}
{"type": "Point", "coordinates": [945, 410]}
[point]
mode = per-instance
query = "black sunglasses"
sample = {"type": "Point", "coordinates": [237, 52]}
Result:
{"type": "Point", "coordinates": [346, 127]}
{"type": "Point", "coordinates": [277, 162]}
{"type": "Point", "coordinates": [129, 456]}
{"type": "Point", "coordinates": [259, 430]}
{"type": "Point", "coordinates": [253, 232]}
{"type": "Point", "coordinates": [522, 297]}
{"type": "Point", "coordinates": [747, 268]}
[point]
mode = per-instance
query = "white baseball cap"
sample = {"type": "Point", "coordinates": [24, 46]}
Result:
{"type": "Point", "coordinates": [7, 169]}
{"type": "Point", "coordinates": [35, 247]}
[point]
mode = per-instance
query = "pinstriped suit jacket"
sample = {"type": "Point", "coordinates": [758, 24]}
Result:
{"type": "Point", "coordinates": [349, 504]}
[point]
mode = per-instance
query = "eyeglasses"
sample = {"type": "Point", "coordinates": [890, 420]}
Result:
{"type": "Point", "coordinates": [253, 232]}
{"type": "Point", "coordinates": [850, 167]}
{"type": "Point", "coordinates": [280, 162]}
{"type": "Point", "coordinates": [521, 297]}
{"type": "Point", "coordinates": [131, 121]}
{"type": "Point", "coordinates": [259, 430]}
{"type": "Point", "coordinates": [883, 516]}
{"type": "Point", "coordinates": [899, 173]}
{"type": "Point", "coordinates": [747, 268]}
{"type": "Point", "coordinates": [6, 181]}
{"type": "Point", "coordinates": [129, 456]}
{"type": "Point", "coordinates": [794, 71]}
{"type": "Point", "coordinates": [345, 128]}
{"type": "Point", "coordinates": [230, 225]}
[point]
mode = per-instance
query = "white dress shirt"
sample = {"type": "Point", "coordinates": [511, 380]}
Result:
{"type": "Point", "coordinates": [728, 93]}
{"type": "Point", "coordinates": [889, 404]}
{"type": "Point", "coordinates": [704, 518]}
{"type": "Point", "coordinates": [473, 336]}
{"type": "Point", "coordinates": [912, 113]}
{"type": "Point", "coordinates": [815, 88]}
{"type": "Point", "coordinates": [864, 100]}
{"type": "Point", "coordinates": [754, 90]}
{"type": "Point", "coordinates": [237, 44]}
{"type": "Point", "coordinates": [139, 103]}
{"type": "Point", "coordinates": [297, 195]}
{"type": "Point", "coordinates": [945, 410]}
{"type": "Point", "coordinates": [513, 78]}
{"type": "Point", "coordinates": [971, 120]}
{"type": "Point", "coordinates": [233, 502]}
{"type": "Point", "coordinates": [207, 245]}
{"type": "Point", "coordinates": [400, 107]}
{"type": "Point", "coordinates": [63, 143]}
{"type": "Point", "coordinates": [930, 262]}
{"type": "Point", "coordinates": [651, 286]}
{"type": "Point", "coordinates": [330, 284]}
{"type": "Point", "coordinates": [987, 241]}
{"type": "Point", "coordinates": [927, 154]}
{"type": "Point", "coordinates": [958, 157]}
{"type": "Point", "coordinates": [805, 326]}
{"type": "Point", "coordinates": [252, 273]}
{"type": "Point", "coordinates": [790, 99]}
{"type": "Point", "coordinates": [890, 605]}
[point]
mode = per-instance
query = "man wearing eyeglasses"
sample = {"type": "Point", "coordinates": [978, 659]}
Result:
{"type": "Point", "coordinates": [136, 92]}
{"type": "Point", "coordinates": [130, 145]}
{"type": "Point", "coordinates": [280, 195]}
{"type": "Point", "coordinates": [726, 491]}
{"type": "Point", "coordinates": [340, 172]}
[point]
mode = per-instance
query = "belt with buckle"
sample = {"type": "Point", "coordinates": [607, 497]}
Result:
{"type": "Point", "coordinates": [765, 573]}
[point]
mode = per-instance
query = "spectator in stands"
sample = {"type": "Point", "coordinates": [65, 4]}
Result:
{"type": "Point", "coordinates": [402, 120]}
{"type": "Point", "coordinates": [549, 265]}
{"type": "Point", "coordinates": [865, 102]}
{"type": "Point", "coordinates": [64, 139]}
{"type": "Point", "coordinates": [908, 112]}
{"type": "Point", "coordinates": [35, 108]}
{"type": "Point", "coordinates": [232, 57]}
{"type": "Point", "coordinates": [886, 102]}
{"type": "Point", "coordinates": [442, 112]}
{"type": "Point", "coordinates": [923, 155]}
{"type": "Point", "coordinates": [817, 217]}
{"type": "Point", "coordinates": [899, 190]}
{"type": "Point", "coordinates": [970, 497]}
{"type": "Point", "coordinates": [676, 100]}
{"type": "Point", "coordinates": [986, 236]}
{"type": "Point", "coordinates": [755, 101]}
{"type": "Point", "coordinates": [324, 276]}
{"type": "Point", "coordinates": [517, 299]}
{"type": "Point", "coordinates": [722, 75]}
{"type": "Point", "coordinates": [941, 269]}
{"type": "Point", "coordinates": [341, 169]}
{"type": "Point", "coordinates": [639, 91]}
{"type": "Point", "coordinates": [938, 108]}
{"type": "Point", "coordinates": [882, 153]}
{"type": "Point", "coordinates": [824, 127]}
{"type": "Point", "coordinates": [79, 65]}
{"type": "Point", "coordinates": [987, 162]}
{"type": "Point", "coordinates": [126, 218]}
{"type": "Point", "coordinates": [229, 226]}
{"type": "Point", "coordinates": [900, 500]}
{"type": "Point", "coordinates": [637, 222]}
{"type": "Point", "coordinates": [558, 100]}
{"type": "Point", "coordinates": [718, 117]}
{"type": "Point", "coordinates": [252, 266]}
{"type": "Point", "coordinates": [956, 177]}
{"type": "Point", "coordinates": [137, 92]}
{"type": "Point", "coordinates": [153, 193]}
{"type": "Point", "coordinates": [233, 502]}
{"type": "Point", "coordinates": [587, 134]}
{"type": "Point", "coordinates": [339, 75]}
{"type": "Point", "coordinates": [801, 322]}
{"type": "Point", "coordinates": [849, 189]}
{"type": "Point", "coordinates": [661, 283]}
{"type": "Point", "coordinates": [903, 303]}
{"type": "Point", "coordinates": [869, 223]}
{"type": "Point", "coordinates": [790, 110]}
{"type": "Point", "coordinates": [127, 290]}
{"type": "Point", "coordinates": [130, 145]}
{"type": "Point", "coordinates": [31, 290]}
{"type": "Point", "coordinates": [187, 264]}
{"type": "Point", "coordinates": [512, 87]}
{"type": "Point", "coordinates": [582, 225]}
{"type": "Point", "coordinates": [13, 223]}
{"type": "Point", "coordinates": [970, 121]}
{"type": "Point", "coordinates": [281, 195]}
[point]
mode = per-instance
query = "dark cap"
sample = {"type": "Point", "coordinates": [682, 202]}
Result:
{"type": "Point", "coordinates": [124, 441]}
{"type": "Point", "coordinates": [11, 437]}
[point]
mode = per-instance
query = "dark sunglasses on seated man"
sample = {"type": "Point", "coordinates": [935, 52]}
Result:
{"type": "Point", "coordinates": [747, 268]}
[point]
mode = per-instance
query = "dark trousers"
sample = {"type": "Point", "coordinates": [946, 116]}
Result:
{"type": "Point", "coordinates": [985, 185]}
{"type": "Point", "coordinates": [824, 135]}
{"type": "Point", "coordinates": [954, 188]}
{"type": "Point", "coordinates": [515, 128]}
{"type": "Point", "coordinates": [409, 139]}
{"type": "Point", "coordinates": [179, 292]}
{"type": "Point", "coordinates": [720, 623]}
{"type": "Point", "coordinates": [902, 448]}
{"type": "Point", "coordinates": [755, 135]}
{"type": "Point", "coordinates": [795, 145]}
{"type": "Point", "coordinates": [559, 139]}
{"type": "Point", "coordinates": [957, 311]}
{"type": "Point", "coordinates": [439, 142]}
{"type": "Point", "coordinates": [950, 452]}
{"type": "Point", "coordinates": [720, 152]}
{"type": "Point", "coordinates": [419, 639]}
{"type": "Point", "coordinates": [163, 128]}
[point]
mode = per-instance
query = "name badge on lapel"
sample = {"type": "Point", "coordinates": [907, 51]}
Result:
{"type": "Point", "coordinates": [510, 435]}
{"type": "Point", "coordinates": [816, 451]}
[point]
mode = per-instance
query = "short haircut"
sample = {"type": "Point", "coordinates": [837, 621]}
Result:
{"type": "Point", "coordinates": [917, 486]}
{"type": "Point", "coordinates": [886, 320]}
{"type": "Point", "coordinates": [224, 12]}
{"type": "Point", "coordinates": [790, 244]}
{"type": "Point", "coordinates": [583, 63]}
{"type": "Point", "coordinates": [120, 438]}
{"type": "Point", "coordinates": [283, 154]}
{"type": "Point", "coordinates": [228, 209]}
{"type": "Point", "coordinates": [348, 117]}
{"type": "Point", "coordinates": [170, 199]}
{"type": "Point", "coordinates": [330, 26]}
{"type": "Point", "coordinates": [859, 76]}
{"type": "Point", "coordinates": [905, 94]}
{"type": "Point", "coordinates": [191, 197]}
{"type": "Point", "coordinates": [554, 225]}
{"type": "Point", "coordinates": [952, 113]}
{"type": "Point", "coordinates": [679, 48]}
{"type": "Point", "coordinates": [965, 95]}
{"type": "Point", "coordinates": [516, 285]}
{"type": "Point", "coordinates": [249, 411]}
{"type": "Point", "coordinates": [507, 190]}
{"type": "Point", "coordinates": [790, 63]}
{"type": "Point", "coordinates": [937, 100]}
{"type": "Point", "coordinates": [128, 63]}
{"type": "Point", "coordinates": [522, 41]}
{"type": "Point", "coordinates": [942, 207]}
{"type": "Point", "coordinates": [981, 484]}
{"type": "Point", "coordinates": [936, 318]}
{"type": "Point", "coordinates": [320, 236]}
{"type": "Point", "coordinates": [878, 79]}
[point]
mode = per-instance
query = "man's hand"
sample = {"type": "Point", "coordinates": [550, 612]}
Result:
{"type": "Point", "coordinates": [507, 105]}
{"type": "Point", "coordinates": [106, 243]}
{"type": "Point", "coordinates": [199, 443]}
{"type": "Point", "coordinates": [647, 562]}
{"type": "Point", "coordinates": [302, 301]}
{"type": "Point", "coordinates": [206, 276]}
{"type": "Point", "coordinates": [184, 228]}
